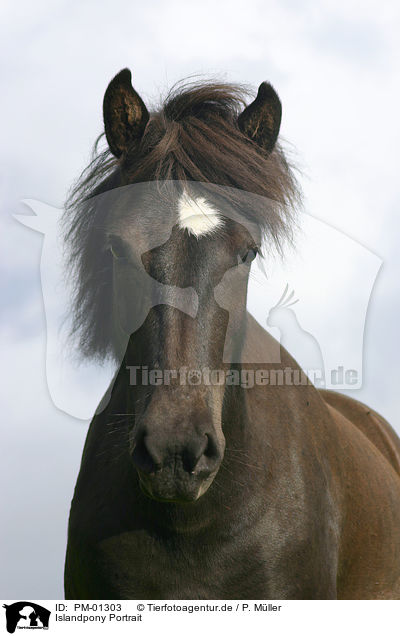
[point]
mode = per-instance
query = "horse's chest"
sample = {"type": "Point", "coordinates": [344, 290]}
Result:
{"type": "Point", "coordinates": [138, 566]}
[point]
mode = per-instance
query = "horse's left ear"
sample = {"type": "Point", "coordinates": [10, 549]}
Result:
{"type": "Point", "coordinates": [125, 114]}
{"type": "Point", "coordinates": [261, 120]}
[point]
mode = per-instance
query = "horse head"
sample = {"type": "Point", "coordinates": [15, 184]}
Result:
{"type": "Point", "coordinates": [162, 249]}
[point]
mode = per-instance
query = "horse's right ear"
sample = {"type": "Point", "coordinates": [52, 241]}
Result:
{"type": "Point", "coordinates": [124, 112]}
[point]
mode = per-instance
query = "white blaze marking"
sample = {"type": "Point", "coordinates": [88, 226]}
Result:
{"type": "Point", "coordinates": [197, 216]}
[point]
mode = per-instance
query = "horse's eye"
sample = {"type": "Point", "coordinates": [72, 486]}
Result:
{"type": "Point", "coordinates": [118, 248]}
{"type": "Point", "coordinates": [248, 256]}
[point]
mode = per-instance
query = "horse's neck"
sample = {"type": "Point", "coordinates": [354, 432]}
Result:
{"type": "Point", "coordinates": [259, 345]}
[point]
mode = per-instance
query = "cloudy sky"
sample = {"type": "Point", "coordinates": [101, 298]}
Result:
{"type": "Point", "coordinates": [336, 68]}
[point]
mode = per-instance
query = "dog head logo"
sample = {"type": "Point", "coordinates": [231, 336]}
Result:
{"type": "Point", "coordinates": [25, 614]}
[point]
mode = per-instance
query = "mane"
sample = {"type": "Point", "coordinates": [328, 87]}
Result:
{"type": "Point", "coordinates": [193, 136]}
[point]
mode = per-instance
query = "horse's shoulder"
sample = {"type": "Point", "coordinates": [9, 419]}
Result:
{"type": "Point", "coordinates": [369, 422]}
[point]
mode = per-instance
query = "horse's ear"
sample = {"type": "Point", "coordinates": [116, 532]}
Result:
{"type": "Point", "coordinates": [124, 112]}
{"type": "Point", "coordinates": [261, 120]}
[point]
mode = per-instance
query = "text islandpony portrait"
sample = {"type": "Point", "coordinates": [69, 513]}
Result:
{"type": "Point", "coordinates": [200, 489]}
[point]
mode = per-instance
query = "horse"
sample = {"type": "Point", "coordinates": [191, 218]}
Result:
{"type": "Point", "coordinates": [210, 489]}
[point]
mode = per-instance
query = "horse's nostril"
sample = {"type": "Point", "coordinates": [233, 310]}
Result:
{"type": "Point", "coordinates": [194, 453]}
{"type": "Point", "coordinates": [202, 456]}
{"type": "Point", "coordinates": [212, 450]}
{"type": "Point", "coordinates": [144, 458]}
